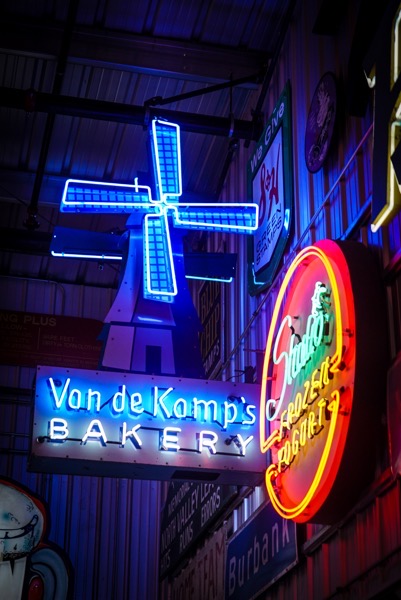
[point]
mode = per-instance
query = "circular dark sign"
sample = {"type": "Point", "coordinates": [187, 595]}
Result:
{"type": "Point", "coordinates": [320, 122]}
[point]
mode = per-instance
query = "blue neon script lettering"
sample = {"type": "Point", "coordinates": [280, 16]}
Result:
{"type": "Point", "coordinates": [158, 402]}
{"type": "Point", "coordinates": [58, 400]}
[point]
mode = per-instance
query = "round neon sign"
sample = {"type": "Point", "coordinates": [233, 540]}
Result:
{"type": "Point", "coordinates": [307, 406]}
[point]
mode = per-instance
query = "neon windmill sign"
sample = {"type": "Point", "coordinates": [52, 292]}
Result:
{"type": "Point", "coordinates": [160, 283]}
{"type": "Point", "coordinates": [152, 325]}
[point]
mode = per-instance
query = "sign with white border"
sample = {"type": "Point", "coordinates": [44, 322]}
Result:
{"type": "Point", "coordinates": [270, 185]}
{"type": "Point", "coordinates": [150, 427]}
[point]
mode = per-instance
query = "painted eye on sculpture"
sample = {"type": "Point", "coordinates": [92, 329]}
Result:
{"type": "Point", "coordinates": [12, 518]}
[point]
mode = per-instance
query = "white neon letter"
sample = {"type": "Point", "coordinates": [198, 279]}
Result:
{"type": "Point", "coordinates": [243, 443]}
{"type": "Point", "coordinates": [78, 394]}
{"type": "Point", "coordinates": [156, 399]}
{"type": "Point", "coordinates": [91, 433]}
{"type": "Point", "coordinates": [96, 396]}
{"type": "Point", "coordinates": [118, 402]}
{"type": "Point", "coordinates": [207, 439]}
{"type": "Point", "coordinates": [209, 409]}
{"type": "Point", "coordinates": [183, 403]}
{"type": "Point", "coordinates": [58, 429]}
{"type": "Point", "coordinates": [229, 407]}
{"type": "Point", "coordinates": [136, 403]}
{"type": "Point", "coordinates": [169, 439]}
{"type": "Point", "coordinates": [59, 400]}
{"type": "Point", "coordinates": [126, 433]}
{"type": "Point", "coordinates": [249, 410]}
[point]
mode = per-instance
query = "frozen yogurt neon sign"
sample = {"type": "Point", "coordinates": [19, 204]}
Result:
{"type": "Point", "coordinates": [308, 381]}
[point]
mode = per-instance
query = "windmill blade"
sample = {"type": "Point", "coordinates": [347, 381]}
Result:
{"type": "Point", "coordinates": [230, 217]}
{"type": "Point", "coordinates": [167, 159]}
{"type": "Point", "coordinates": [159, 274]}
{"type": "Point", "coordinates": [94, 196]}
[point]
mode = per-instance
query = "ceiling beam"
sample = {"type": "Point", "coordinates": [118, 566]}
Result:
{"type": "Point", "coordinates": [32, 101]}
{"type": "Point", "coordinates": [135, 53]}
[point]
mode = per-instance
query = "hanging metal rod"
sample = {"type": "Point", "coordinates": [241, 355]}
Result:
{"type": "Point", "coordinates": [33, 101]}
{"type": "Point", "coordinates": [159, 101]}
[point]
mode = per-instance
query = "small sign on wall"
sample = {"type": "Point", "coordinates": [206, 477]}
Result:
{"type": "Point", "coordinates": [210, 338]}
{"type": "Point", "coordinates": [188, 513]}
{"type": "Point", "coordinates": [203, 576]}
{"type": "Point", "coordinates": [320, 122]}
{"type": "Point", "coordinates": [28, 339]}
{"type": "Point", "coordinates": [259, 553]}
{"type": "Point", "coordinates": [270, 186]}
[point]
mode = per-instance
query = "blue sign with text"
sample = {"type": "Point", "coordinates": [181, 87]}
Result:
{"type": "Point", "coordinates": [145, 426]}
{"type": "Point", "coordinates": [259, 553]}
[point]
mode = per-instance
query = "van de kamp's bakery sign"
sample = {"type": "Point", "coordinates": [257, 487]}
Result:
{"type": "Point", "coordinates": [150, 427]}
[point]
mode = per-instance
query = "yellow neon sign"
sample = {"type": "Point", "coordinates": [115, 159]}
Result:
{"type": "Point", "coordinates": [388, 95]}
{"type": "Point", "coordinates": [271, 473]}
{"type": "Point", "coordinates": [308, 419]}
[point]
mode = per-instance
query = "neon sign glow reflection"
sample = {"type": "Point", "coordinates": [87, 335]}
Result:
{"type": "Point", "coordinates": [307, 386]}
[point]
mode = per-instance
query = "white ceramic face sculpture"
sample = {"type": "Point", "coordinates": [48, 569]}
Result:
{"type": "Point", "coordinates": [21, 523]}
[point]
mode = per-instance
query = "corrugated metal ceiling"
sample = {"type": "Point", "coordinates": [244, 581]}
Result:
{"type": "Point", "coordinates": [94, 68]}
